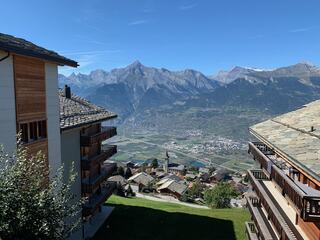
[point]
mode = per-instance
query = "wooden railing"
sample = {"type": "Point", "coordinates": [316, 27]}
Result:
{"type": "Point", "coordinates": [107, 152]}
{"type": "Point", "coordinates": [306, 205]}
{"type": "Point", "coordinates": [95, 201]}
{"type": "Point", "coordinates": [311, 209]}
{"type": "Point", "coordinates": [273, 215]}
{"type": "Point", "coordinates": [261, 223]}
{"type": "Point", "coordinates": [257, 151]}
{"type": "Point", "coordinates": [251, 231]}
{"type": "Point", "coordinates": [288, 187]}
{"type": "Point", "coordinates": [106, 132]}
{"type": "Point", "coordinates": [89, 184]}
{"type": "Point", "coordinates": [259, 174]}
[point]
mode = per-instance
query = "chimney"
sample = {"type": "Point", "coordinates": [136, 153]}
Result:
{"type": "Point", "coordinates": [312, 129]}
{"type": "Point", "coordinates": [67, 91]}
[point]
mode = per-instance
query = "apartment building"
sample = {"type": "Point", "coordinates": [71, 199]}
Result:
{"type": "Point", "coordinates": [66, 128]}
{"type": "Point", "coordinates": [285, 201]}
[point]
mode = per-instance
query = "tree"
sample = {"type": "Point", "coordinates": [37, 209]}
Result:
{"type": "Point", "coordinates": [194, 192]}
{"type": "Point", "coordinates": [31, 207]}
{"type": "Point", "coordinates": [154, 163]}
{"type": "Point", "coordinates": [120, 171]}
{"type": "Point", "coordinates": [128, 173]}
{"type": "Point", "coordinates": [220, 196]}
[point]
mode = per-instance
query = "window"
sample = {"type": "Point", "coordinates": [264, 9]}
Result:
{"type": "Point", "coordinates": [33, 131]}
{"type": "Point", "coordinates": [24, 132]}
{"type": "Point", "coordinates": [42, 129]}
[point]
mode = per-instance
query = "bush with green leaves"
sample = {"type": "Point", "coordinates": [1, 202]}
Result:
{"type": "Point", "coordinates": [220, 196]}
{"type": "Point", "coordinates": [31, 206]}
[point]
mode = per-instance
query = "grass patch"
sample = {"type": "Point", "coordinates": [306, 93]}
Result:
{"type": "Point", "coordinates": [142, 219]}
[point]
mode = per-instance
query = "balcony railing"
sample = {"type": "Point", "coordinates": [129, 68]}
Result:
{"type": "Point", "coordinates": [259, 151]}
{"type": "Point", "coordinates": [251, 231]}
{"type": "Point", "coordinates": [308, 207]}
{"type": "Point", "coordinates": [106, 132]}
{"type": "Point", "coordinates": [95, 201]}
{"type": "Point", "coordinates": [107, 152]}
{"type": "Point", "coordinates": [89, 184]}
{"type": "Point", "coordinates": [261, 222]}
{"type": "Point", "coordinates": [283, 226]}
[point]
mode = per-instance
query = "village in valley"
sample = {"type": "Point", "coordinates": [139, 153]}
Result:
{"type": "Point", "coordinates": [164, 180]}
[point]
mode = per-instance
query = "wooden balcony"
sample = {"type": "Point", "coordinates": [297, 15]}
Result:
{"type": "Point", "coordinates": [259, 151]}
{"type": "Point", "coordinates": [251, 231]}
{"type": "Point", "coordinates": [282, 224]}
{"type": "Point", "coordinates": [307, 206]}
{"type": "Point", "coordinates": [262, 227]}
{"type": "Point", "coordinates": [106, 132]}
{"type": "Point", "coordinates": [92, 204]}
{"type": "Point", "coordinates": [89, 184]}
{"type": "Point", "coordinates": [107, 152]}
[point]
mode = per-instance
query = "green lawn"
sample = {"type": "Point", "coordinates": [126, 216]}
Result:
{"type": "Point", "coordinates": [142, 219]}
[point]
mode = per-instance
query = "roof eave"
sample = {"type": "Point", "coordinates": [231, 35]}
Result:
{"type": "Point", "coordinates": [88, 123]}
{"type": "Point", "coordinates": [26, 52]}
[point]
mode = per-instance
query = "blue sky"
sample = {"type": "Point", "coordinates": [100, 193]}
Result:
{"type": "Point", "coordinates": [206, 35]}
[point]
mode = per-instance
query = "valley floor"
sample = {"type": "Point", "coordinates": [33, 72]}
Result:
{"type": "Point", "coordinates": [136, 218]}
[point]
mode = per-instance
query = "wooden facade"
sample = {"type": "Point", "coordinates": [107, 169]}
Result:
{"type": "Point", "coordinates": [30, 89]}
{"type": "Point", "coordinates": [30, 95]}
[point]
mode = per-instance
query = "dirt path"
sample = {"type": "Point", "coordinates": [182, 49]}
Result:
{"type": "Point", "coordinates": [169, 200]}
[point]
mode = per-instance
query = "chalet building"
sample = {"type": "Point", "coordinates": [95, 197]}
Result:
{"type": "Point", "coordinates": [173, 188]}
{"type": "Point", "coordinates": [66, 128]}
{"type": "Point", "coordinates": [285, 202]}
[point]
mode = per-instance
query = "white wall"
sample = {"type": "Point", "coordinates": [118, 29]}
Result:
{"type": "Point", "coordinates": [70, 152]}
{"type": "Point", "coordinates": [53, 115]}
{"type": "Point", "coordinates": [7, 104]}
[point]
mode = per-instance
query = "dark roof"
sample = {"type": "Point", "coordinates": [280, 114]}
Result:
{"type": "Point", "coordinates": [77, 112]}
{"type": "Point", "coordinates": [20, 46]}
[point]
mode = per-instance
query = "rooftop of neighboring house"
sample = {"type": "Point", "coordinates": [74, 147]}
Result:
{"type": "Point", "coordinates": [177, 168]}
{"type": "Point", "coordinates": [21, 46]}
{"type": "Point", "coordinates": [296, 136]}
{"type": "Point", "coordinates": [118, 179]}
{"type": "Point", "coordinates": [204, 170]}
{"type": "Point", "coordinates": [174, 186]}
{"type": "Point", "coordinates": [141, 178]}
{"type": "Point", "coordinates": [76, 112]}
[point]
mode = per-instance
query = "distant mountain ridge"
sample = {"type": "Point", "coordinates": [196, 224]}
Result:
{"type": "Point", "coordinates": [136, 88]}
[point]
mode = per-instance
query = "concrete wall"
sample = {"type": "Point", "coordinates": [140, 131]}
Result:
{"type": "Point", "coordinates": [53, 114]}
{"type": "Point", "coordinates": [7, 104]}
{"type": "Point", "coordinates": [70, 152]}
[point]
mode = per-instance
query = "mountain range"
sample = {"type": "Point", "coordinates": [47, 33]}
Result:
{"type": "Point", "coordinates": [136, 88]}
